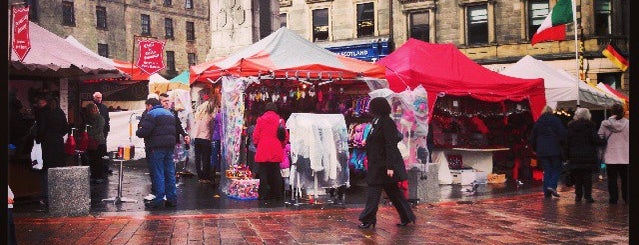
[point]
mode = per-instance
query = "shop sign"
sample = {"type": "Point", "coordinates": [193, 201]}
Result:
{"type": "Point", "coordinates": [366, 52]}
{"type": "Point", "coordinates": [21, 42]}
{"type": "Point", "coordinates": [151, 56]}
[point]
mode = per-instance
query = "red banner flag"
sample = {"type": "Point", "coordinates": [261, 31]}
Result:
{"type": "Point", "coordinates": [21, 42]}
{"type": "Point", "coordinates": [151, 56]}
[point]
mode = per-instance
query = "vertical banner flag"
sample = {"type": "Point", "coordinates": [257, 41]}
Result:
{"type": "Point", "coordinates": [554, 26]}
{"type": "Point", "coordinates": [150, 56]}
{"type": "Point", "coordinates": [21, 42]}
{"type": "Point", "coordinates": [613, 55]}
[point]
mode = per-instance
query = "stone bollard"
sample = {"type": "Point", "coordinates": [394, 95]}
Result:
{"type": "Point", "coordinates": [69, 193]}
{"type": "Point", "coordinates": [423, 183]}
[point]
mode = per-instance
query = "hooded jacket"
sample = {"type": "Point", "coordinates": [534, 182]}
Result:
{"type": "Point", "coordinates": [582, 143]}
{"type": "Point", "coordinates": [618, 146]}
{"type": "Point", "coordinates": [269, 148]}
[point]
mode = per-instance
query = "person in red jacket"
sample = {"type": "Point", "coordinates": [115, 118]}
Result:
{"type": "Point", "coordinates": [269, 153]}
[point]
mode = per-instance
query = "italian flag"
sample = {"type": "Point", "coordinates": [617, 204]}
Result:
{"type": "Point", "coordinates": [554, 26]}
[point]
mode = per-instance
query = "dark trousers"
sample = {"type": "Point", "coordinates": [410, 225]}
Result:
{"type": "Point", "coordinates": [270, 181]}
{"type": "Point", "coordinates": [583, 183]}
{"type": "Point", "coordinates": [373, 195]}
{"type": "Point", "coordinates": [254, 167]}
{"type": "Point", "coordinates": [98, 167]}
{"type": "Point", "coordinates": [614, 171]}
{"type": "Point", "coordinates": [149, 165]}
{"type": "Point", "coordinates": [203, 158]}
{"type": "Point", "coordinates": [552, 169]}
{"type": "Point", "coordinates": [11, 233]}
{"type": "Point", "coordinates": [216, 157]}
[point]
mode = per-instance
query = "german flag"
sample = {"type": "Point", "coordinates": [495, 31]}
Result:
{"type": "Point", "coordinates": [613, 55]}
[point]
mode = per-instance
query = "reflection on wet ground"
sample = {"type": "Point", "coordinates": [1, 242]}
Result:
{"type": "Point", "coordinates": [195, 197]}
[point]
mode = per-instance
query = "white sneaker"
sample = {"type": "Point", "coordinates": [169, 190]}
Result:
{"type": "Point", "coordinates": [149, 197]}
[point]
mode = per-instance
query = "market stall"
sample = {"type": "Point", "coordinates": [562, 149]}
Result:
{"type": "Point", "coordinates": [606, 88]}
{"type": "Point", "coordinates": [562, 89]}
{"type": "Point", "coordinates": [471, 107]}
{"type": "Point", "coordinates": [48, 69]}
{"type": "Point", "coordinates": [292, 72]}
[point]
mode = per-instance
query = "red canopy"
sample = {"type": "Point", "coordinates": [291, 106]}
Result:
{"type": "Point", "coordinates": [442, 68]}
{"type": "Point", "coordinates": [285, 53]}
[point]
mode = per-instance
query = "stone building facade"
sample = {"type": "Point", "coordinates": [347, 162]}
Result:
{"type": "Point", "coordinates": [109, 27]}
{"type": "Point", "coordinates": [494, 33]}
{"type": "Point", "coordinates": [236, 24]}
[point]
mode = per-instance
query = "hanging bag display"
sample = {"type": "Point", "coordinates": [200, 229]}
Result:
{"type": "Point", "coordinates": [69, 146]}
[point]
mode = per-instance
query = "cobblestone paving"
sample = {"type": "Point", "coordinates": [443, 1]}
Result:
{"type": "Point", "coordinates": [522, 219]}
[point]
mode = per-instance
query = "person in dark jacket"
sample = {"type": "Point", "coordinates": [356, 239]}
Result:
{"type": "Point", "coordinates": [147, 150]}
{"type": "Point", "coordinates": [158, 128]}
{"type": "Point", "coordinates": [166, 103]}
{"type": "Point", "coordinates": [97, 149]}
{"type": "Point", "coordinates": [51, 126]}
{"type": "Point", "coordinates": [545, 138]}
{"type": "Point", "coordinates": [385, 167]}
{"type": "Point", "coordinates": [104, 112]}
{"type": "Point", "coordinates": [581, 146]}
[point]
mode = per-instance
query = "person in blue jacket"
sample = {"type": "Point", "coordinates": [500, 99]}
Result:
{"type": "Point", "coordinates": [158, 129]}
{"type": "Point", "coordinates": [546, 138]}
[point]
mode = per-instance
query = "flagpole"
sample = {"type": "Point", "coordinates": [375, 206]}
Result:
{"type": "Point", "coordinates": [574, 20]}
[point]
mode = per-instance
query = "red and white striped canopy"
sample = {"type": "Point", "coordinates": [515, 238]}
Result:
{"type": "Point", "coordinates": [285, 53]}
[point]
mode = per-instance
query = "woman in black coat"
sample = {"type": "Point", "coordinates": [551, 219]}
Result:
{"type": "Point", "coordinates": [385, 167]}
{"type": "Point", "coordinates": [51, 126]}
{"type": "Point", "coordinates": [581, 146]}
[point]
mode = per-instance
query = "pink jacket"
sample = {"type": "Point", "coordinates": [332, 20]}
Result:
{"type": "Point", "coordinates": [201, 129]}
{"type": "Point", "coordinates": [269, 148]}
{"type": "Point", "coordinates": [618, 148]}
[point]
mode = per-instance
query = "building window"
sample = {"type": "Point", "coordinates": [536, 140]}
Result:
{"type": "Point", "coordinates": [33, 10]}
{"type": "Point", "coordinates": [168, 3]}
{"type": "Point", "coordinates": [190, 31]}
{"type": "Point", "coordinates": [477, 20]}
{"type": "Point", "coordinates": [602, 17]}
{"type": "Point", "coordinates": [365, 19]}
{"type": "Point", "coordinates": [170, 61]}
{"type": "Point", "coordinates": [320, 25]}
{"type": "Point", "coordinates": [101, 17]}
{"type": "Point", "coordinates": [537, 12]}
{"type": "Point", "coordinates": [283, 19]}
{"type": "Point", "coordinates": [192, 59]}
{"type": "Point", "coordinates": [419, 28]}
{"type": "Point", "coordinates": [146, 24]}
{"type": "Point", "coordinates": [68, 14]}
{"type": "Point", "coordinates": [188, 4]}
{"type": "Point", "coordinates": [168, 28]}
{"type": "Point", "coordinates": [103, 49]}
{"type": "Point", "coordinates": [612, 79]}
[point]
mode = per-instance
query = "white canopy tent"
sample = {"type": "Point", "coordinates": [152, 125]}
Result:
{"type": "Point", "coordinates": [561, 87]}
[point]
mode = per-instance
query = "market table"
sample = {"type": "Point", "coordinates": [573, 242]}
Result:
{"type": "Point", "coordinates": [478, 159]}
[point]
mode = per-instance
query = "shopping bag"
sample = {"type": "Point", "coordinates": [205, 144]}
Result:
{"type": "Point", "coordinates": [84, 142]}
{"type": "Point", "coordinates": [179, 153]}
{"type": "Point", "coordinates": [69, 146]}
{"type": "Point", "coordinates": [36, 156]}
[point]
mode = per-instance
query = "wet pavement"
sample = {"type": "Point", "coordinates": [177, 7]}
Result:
{"type": "Point", "coordinates": [496, 214]}
{"type": "Point", "coordinates": [196, 197]}
{"type": "Point", "coordinates": [518, 219]}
